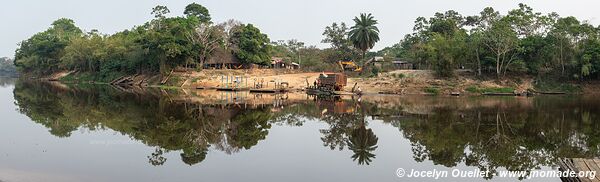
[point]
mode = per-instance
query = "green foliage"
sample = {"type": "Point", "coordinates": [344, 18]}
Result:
{"type": "Point", "coordinates": [157, 46]}
{"type": "Point", "coordinates": [399, 76]}
{"type": "Point", "coordinates": [521, 41]}
{"type": "Point", "coordinates": [198, 11]}
{"type": "Point", "coordinates": [341, 47]}
{"type": "Point", "coordinates": [41, 53]}
{"type": "Point", "coordinates": [432, 90]}
{"type": "Point", "coordinates": [364, 34]}
{"type": "Point", "coordinates": [448, 51]}
{"type": "Point", "coordinates": [254, 47]}
{"type": "Point", "coordinates": [375, 71]}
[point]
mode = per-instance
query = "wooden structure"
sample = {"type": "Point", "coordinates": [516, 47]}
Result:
{"type": "Point", "coordinates": [222, 59]}
{"type": "Point", "coordinates": [579, 165]}
{"type": "Point", "coordinates": [377, 62]}
{"type": "Point", "coordinates": [262, 86]}
{"type": "Point", "coordinates": [233, 83]}
{"type": "Point", "coordinates": [402, 65]}
{"type": "Point", "coordinates": [279, 63]}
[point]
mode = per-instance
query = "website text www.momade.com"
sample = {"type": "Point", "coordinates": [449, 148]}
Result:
{"type": "Point", "coordinates": [476, 173]}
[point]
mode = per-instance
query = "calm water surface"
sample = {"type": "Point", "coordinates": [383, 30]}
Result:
{"type": "Point", "coordinates": [53, 132]}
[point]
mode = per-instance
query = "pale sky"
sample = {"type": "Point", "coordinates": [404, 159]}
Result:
{"type": "Point", "coordinates": [304, 20]}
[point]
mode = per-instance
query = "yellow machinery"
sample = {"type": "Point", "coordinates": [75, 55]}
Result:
{"type": "Point", "coordinates": [352, 66]}
{"type": "Point", "coordinates": [349, 66]}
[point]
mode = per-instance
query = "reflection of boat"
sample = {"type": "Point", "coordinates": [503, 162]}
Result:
{"type": "Point", "coordinates": [313, 91]}
{"type": "Point", "coordinates": [335, 105]}
{"type": "Point", "coordinates": [265, 90]}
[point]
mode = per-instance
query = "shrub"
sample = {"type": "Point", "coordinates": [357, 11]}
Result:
{"type": "Point", "coordinates": [432, 90]}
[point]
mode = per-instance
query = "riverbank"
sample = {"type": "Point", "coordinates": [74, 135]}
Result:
{"type": "Point", "coordinates": [401, 82]}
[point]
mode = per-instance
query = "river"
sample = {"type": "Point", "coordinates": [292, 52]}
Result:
{"type": "Point", "coordinates": [53, 132]}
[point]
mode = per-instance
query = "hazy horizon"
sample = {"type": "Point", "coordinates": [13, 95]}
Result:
{"type": "Point", "coordinates": [281, 20]}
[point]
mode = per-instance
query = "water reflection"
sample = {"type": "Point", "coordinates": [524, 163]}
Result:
{"type": "Point", "coordinates": [521, 134]}
{"type": "Point", "coordinates": [5, 81]}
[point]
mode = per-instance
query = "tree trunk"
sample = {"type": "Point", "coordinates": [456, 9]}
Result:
{"type": "Point", "coordinates": [498, 65]}
{"type": "Point", "coordinates": [478, 62]}
{"type": "Point", "coordinates": [562, 62]}
{"type": "Point", "coordinates": [162, 67]}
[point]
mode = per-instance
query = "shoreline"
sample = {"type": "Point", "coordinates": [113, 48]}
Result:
{"type": "Point", "coordinates": [399, 82]}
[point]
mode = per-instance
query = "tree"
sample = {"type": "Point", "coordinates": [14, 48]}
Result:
{"type": "Point", "coordinates": [295, 46]}
{"type": "Point", "coordinates": [566, 33]}
{"type": "Point", "coordinates": [84, 53]}
{"type": "Point", "coordinates": [502, 41]}
{"type": "Point", "coordinates": [198, 11]}
{"type": "Point", "coordinates": [448, 52]}
{"type": "Point", "coordinates": [207, 38]}
{"type": "Point", "coordinates": [524, 21]}
{"type": "Point", "coordinates": [160, 11]}
{"type": "Point", "coordinates": [42, 52]}
{"type": "Point", "coordinates": [337, 35]}
{"type": "Point", "coordinates": [364, 34]}
{"type": "Point", "coordinates": [230, 27]}
{"type": "Point", "coordinates": [253, 45]}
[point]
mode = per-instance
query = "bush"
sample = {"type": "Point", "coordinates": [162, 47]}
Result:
{"type": "Point", "coordinates": [394, 75]}
{"type": "Point", "coordinates": [432, 90]}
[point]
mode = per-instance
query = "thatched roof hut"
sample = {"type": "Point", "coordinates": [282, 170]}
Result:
{"type": "Point", "coordinates": [222, 58]}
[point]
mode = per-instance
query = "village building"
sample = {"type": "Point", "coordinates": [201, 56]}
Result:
{"type": "Point", "coordinates": [222, 59]}
{"type": "Point", "coordinates": [402, 64]}
{"type": "Point", "coordinates": [279, 63]}
{"type": "Point", "coordinates": [377, 62]}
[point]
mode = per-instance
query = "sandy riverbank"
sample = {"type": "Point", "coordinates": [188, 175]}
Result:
{"type": "Point", "coordinates": [402, 82]}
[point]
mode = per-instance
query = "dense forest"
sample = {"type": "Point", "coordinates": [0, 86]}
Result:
{"type": "Point", "coordinates": [519, 42]}
{"type": "Point", "coordinates": [157, 46]}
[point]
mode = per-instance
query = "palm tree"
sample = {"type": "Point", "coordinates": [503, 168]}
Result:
{"type": "Point", "coordinates": [363, 142]}
{"type": "Point", "coordinates": [364, 34]}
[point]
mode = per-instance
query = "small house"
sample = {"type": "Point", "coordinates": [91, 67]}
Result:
{"type": "Point", "coordinates": [402, 65]}
{"type": "Point", "coordinates": [279, 63]}
{"type": "Point", "coordinates": [377, 61]}
{"type": "Point", "coordinates": [222, 59]}
{"type": "Point", "coordinates": [295, 66]}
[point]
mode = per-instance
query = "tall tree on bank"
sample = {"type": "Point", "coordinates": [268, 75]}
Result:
{"type": "Point", "coordinates": [207, 39]}
{"type": "Point", "coordinates": [198, 11]}
{"type": "Point", "coordinates": [253, 46]}
{"type": "Point", "coordinates": [337, 35]}
{"type": "Point", "coordinates": [364, 34]}
{"type": "Point", "coordinates": [41, 54]}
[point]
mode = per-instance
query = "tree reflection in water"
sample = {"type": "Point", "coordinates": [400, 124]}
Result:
{"type": "Point", "coordinates": [363, 142]}
{"type": "Point", "coordinates": [519, 134]}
